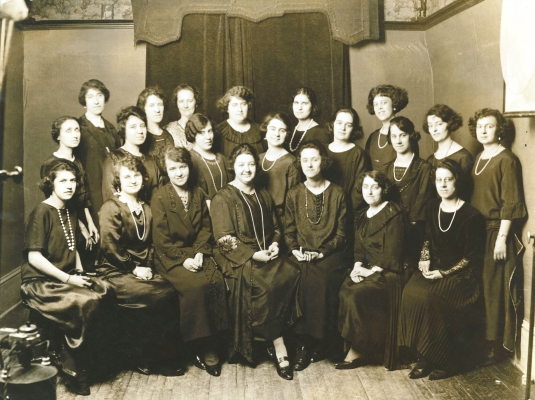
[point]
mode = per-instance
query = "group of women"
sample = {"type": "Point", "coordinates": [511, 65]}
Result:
{"type": "Point", "coordinates": [241, 238]}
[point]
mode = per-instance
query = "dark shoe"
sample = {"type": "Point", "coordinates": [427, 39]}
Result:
{"type": "Point", "coordinates": [357, 362]}
{"type": "Point", "coordinates": [214, 370]}
{"type": "Point", "coordinates": [301, 360]}
{"type": "Point", "coordinates": [169, 370]}
{"type": "Point", "coordinates": [78, 385]}
{"type": "Point", "coordinates": [143, 369]}
{"type": "Point", "coordinates": [317, 355]}
{"type": "Point", "coordinates": [199, 362]}
{"type": "Point", "coordinates": [438, 374]}
{"type": "Point", "coordinates": [284, 372]}
{"type": "Point", "coordinates": [420, 370]}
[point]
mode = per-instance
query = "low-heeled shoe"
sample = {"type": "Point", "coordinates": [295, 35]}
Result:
{"type": "Point", "coordinates": [420, 370]}
{"type": "Point", "coordinates": [439, 374]}
{"type": "Point", "coordinates": [284, 372]}
{"type": "Point", "coordinates": [78, 385]}
{"type": "Point", "coordinates": [168, 370]}
{"type": "Point", "coordinates": [199, 363]}
{"type": "Point", "coordinates": [357, 362]}
{"type": "Point", "coordinates": [301, 360]}
{"type": "Point", "coordinates": [214, 370]}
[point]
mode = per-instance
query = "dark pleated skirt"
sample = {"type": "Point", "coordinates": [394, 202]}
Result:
{"type": "Point", "coordinates": [262, 302]}
{"type": "Point", "coordinates": [436, 316]}
{"type": "Point", "coordinates": [202, 298]}
{"type": "Point", "coordinates": [368, 316]}
{"type": "Point", "coordinates": [318, 294]}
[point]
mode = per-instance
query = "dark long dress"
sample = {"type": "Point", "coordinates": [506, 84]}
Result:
{"type": "Point", "coordinates": [436, 315]}
{"type": "Point", "coordinates": [80, 313]}
{"type": "Point", "coordinates": [178, 235]}
{"type": "Point", "coordinates": [318, 133]}
{"type": "Point", "coordinates": [95, 145]}
{"type": "Point", "coordinates": [415, 189]}
{"type": "Point", "coordinates": [499, 195]}
{"type": "Point", "coordinates": [379, 156]}
{"type": "Point", "coordinates": [262, 296]}
{"type": "Point", "coordinates": [465, 159]}
{"type": "Point", "coordinates": [369, 310]}
{"type": "Point", "coordinates": [320, 279]}
{"type": "Point", "coordinates": [148, 308]}
{"type": "Point", "coordinates": [226, 138]}
{"type": "Point", "coordinates": [150, 182]}
{"type": "Point", "coordinates": [210, 175]}
{"type": "Point", "coordinates": [155, 146]}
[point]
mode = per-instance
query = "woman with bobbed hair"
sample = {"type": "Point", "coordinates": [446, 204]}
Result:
{"type": "Point", "coordinates": [187, 99]}
{"type": "Point", "coordinates": [98, 139]}
{"type": "Point", "coordinates": [153, 101]}
{"type": "Point", "coordinates": [384, 101]}
{"type": "Point", "coordinates": [438, 306]}
{"type": "Point", "coordinates": [132, 123]}
{"type": "Point", "coordinates": [237, 129]}
{"type": "Point", "coordinates": [262, 283]}
{"type": "Point", "coordinates": [370, 296]}
{"type": "Point", "coordinates": [210, 170]}
{"type": "Point", "coordinates": [184, 247]}
{"type": "Point", "coordinates": [305, 109]}
{"type": "Point", "coordinates": [413, 178]}
{"type": "Point", "coordinates": [315, 232]}
{"type": "Point", "coordinates": [499, 195]}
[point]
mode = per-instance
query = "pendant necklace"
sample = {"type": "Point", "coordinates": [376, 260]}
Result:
{"type": "Point", "coordinates": [322, 204]}
{"type": "Point", "coordinates": [302, 137]}
{"type": "Point", "coordinates": [451, 223]}
{"type": "Point", "coordinates": [406, 169]}
{"type": "Point", "coordinates": [252, 219]}
{"type": "Point", "coordinates": [274, 162]}
{"type": "Point", "coordinates": [447, 151]}
{"type": "Point", "coordinates": [487, 163]}
{"type": "Point", "coordinates": [137, 209]}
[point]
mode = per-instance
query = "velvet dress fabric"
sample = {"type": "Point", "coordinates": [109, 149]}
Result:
{"type": "Point", "coordinates": [210, 175]}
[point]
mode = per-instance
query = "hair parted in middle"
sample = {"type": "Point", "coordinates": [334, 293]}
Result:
{"type": "Point", "coordinates": [312, 97]}
{"type": "Point", "coordinates": [399, 97]}
{"type": "Point", "coordinates": [58, 123]}
{"type": "Point", "coordinates": [356, 132]}
{"type": "Point", "coordinates": [93, 84]}
{"type": "Point", "coordinates": [447, 115]}
{"type": "Point", "coordinates": [196, 123]}
{"type": "Point", "coordinates": [326, 161]}
{"type": "Point", "coordinates": [382, 180]}
{"type": "Point", "coordinates": [271, 116]}
{"type": "Point", "coordinates": [235, 91]}
{"type": "Point", "coordinates": [124, 114]}
{"type": "Point", "coordinates": [151, 91]}
{"type": "Point", "coordinates": [47, 182]}
{"type": "Point", "coordinates": [405, 125]}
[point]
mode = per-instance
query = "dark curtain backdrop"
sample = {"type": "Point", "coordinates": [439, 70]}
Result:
{"type": "Point", "coordinates": [272, 57]}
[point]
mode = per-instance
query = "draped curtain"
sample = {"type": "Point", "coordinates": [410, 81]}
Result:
{"type": "Point", "coordinates": [272, 57]}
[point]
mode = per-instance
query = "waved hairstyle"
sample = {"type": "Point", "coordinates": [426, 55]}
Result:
{"type": "Point", "coordinates": [151, 91]}
{"type": "Point", "coordinates": [235, 91]}
{"type": "Point", "coordinates": [447, 115]}
{"type": "Point", "coordinates": [504, 129]}
{"type": "Point", "coordinates": [308, 92]}
{"type": "Point", "coordinates": [191, 88]}
{"type": "Point", "coordinates": [130, 162]}
{"type": "Point", "coordinates": [356, 132]}
{"type": "Point", "coordinates": [326, 161]}
{"type": "Point", "coordinates": [405, 125]}
{"type": "Point", "coordinates": [58, 123]}
{"type": "Point", "coordinates": [381, 179]}
{"type": "Point", "coordinates": [244, 148]}
{"type": "Point", "coordinates": [93, 84]}
{"type": "Point", "coordinates": [47, 183]}
{"type": "Point", "coordinates": [271, 116]}
{"type": "Point", "coordinates": [455, 168]}
{"type": "Point", "coordinates": [126, 113]}
{"type": "Point", "coordinates": [399, 97]}
{"type": "Point", "coordinates": [196, 123]}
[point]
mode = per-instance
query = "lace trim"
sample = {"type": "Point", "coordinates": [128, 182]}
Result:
{"type": "Point", "coordinates": [457, 267]}
{"type": "Point", "coordinates": [424, 254]}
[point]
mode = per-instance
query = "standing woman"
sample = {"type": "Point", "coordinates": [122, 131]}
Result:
{"type": "Point", "coordinates": [278, 174]}
{"type": "Point", "coordinates": [305, 109]}
{"type": "Point", "coordinates": [499, 196]}
{"type": "Point", "coordinates": [384, 101]}
{"type": "Point", "coordinates": [132, 123]}
{"type": "Point", "coordinates": [152, 100]}
{"type": "Point", "coordinates": [51, 276]}
{"type": "Point", "coordinates": [441, 121]}
{"type": "Point", "coordinates": [187, 99]}
{"type": "Point", "coordinates": [262, 283]}
{"type": "Point", "coordinates": [315, 229]}
{"type": "Point", "coordinates": [210, 169]}
{"type": "Point", "coordinates": [370, 297]}
{"type": "Point", "coordinates": [438, 301]}
{"type": "Point", "coordinates": [237, 129]}
{"type": "Point", "coordinates": [182, 235]}
{"type": "Point", "coordinates": [413, 178]}
{"type": "Point", "coordinates": [99, 138]}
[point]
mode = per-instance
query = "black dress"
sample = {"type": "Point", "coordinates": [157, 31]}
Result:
{"type": "Point", "coordinates": [262, 296]}
{"type": "Point", "coordinates": [320, 279]}
{"type": "Point", "coordinates": [436, 315]}
{"type": "Point", "coordinates": [179, 234]}
{"type": "Point", "coordinates": [226, 138]}
{"type": "Point", "coordinates": [379, 156]}
{"type": "Point", "coordinates": [464, 158]}
{"type": "Point", "coordinates": [210, 175]}
{"type": "Point", "coordinates": [318, 133]}
{"type": "Point", "coordinates": [369, 310]}
{"type": "Point", "coordinates": [155, 146]}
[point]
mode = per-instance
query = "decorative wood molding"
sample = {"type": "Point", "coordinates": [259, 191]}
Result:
{"type": "Point", "coordinates": [436, 18]}
{"type": "Point", "coordinates": [10, 275]}
{"type": "Point", "coordinates": [75, 24]}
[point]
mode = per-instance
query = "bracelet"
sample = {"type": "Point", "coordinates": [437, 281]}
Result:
{"type": "Point", "coordinates": [68, 277]}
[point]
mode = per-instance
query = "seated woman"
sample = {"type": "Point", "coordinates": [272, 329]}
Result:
{"type": "Point", "coordinates": [441, 121]}
{"type": "Point", "coordinates": [314, 228]}
{"type": "Point", "coordinates": [187, 99]}
{"type": "Point", "coordinates": [262, 284]}
{"type": "Point", "coordinates": [237, 129]}
{"type": "Point", "coordinates": [148, 304]}
{"type": "Point", "coordinates": [413, 179]}
{"type": "Point", "coordinates": [436, 305]}
{"type": "Point", "coordinates": [183, 243]}
{"type": "Point", "coordinates": [210, 169]}
{"type": "Point", "coordinates": [132, 123]}
{"type": "Point", "coordinates": [371, 295]}
{"type": "Point", "coordinates": [52, 283]}
{"type": "Point", "coordinates": [279, 173]}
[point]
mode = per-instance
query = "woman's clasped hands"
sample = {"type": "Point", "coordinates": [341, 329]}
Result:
{"type": "Point", "coordinates": [424, 267]}
{"type": "Point", "coordinates": [307, 256]}
{"type": "Point", "coordinates": [194, 264]}
{"type": "Point", "coordinates": [271, 253]}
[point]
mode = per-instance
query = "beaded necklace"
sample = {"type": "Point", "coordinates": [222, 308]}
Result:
{"type": "Point", "coordinates": [211, 175]}
{"type": "Point", "coordinates": [451, 223]}
{"type": "Point", "coordinates": [274, 162]}
{"type": "Point", "coordinates": [379, 141]}
{"type": "Point", "coordinates": [322, 204]}
{"type": "Point", "coordinates": [252, 219]}
{"type": "Point", "coordinates": [302, 137]}
{"type": "Point", "coordinates": [137, 208]}
{"type": "Point", "coordinates": [487, 163]}
{"type": "Point", "coordinates": [70, 238]}
{"type": "Point", "coordinates": [406, 169]}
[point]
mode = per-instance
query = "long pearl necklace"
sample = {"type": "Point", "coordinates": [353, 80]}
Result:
{"type": "Point", "coordinates": [406, 169]}
{"type": "Point", "coordinates": [487, 163]}
{"type": "Point", "coordinates": [274, 162]}
{"type": "Point", "coordinates": [322, 204]}
{"type": "Point", "coordinates": [451, 223]}
{"type": "Point", "coordinates": [70, 238]}
{"type": "Point", "coordinates": [252, 219]}
{"type": "Point", "coordinates": [211, 175]}
{"type": "Point", "coordinates": [136, 208]}
{"type": "Point", "coordinates": [379, 141]}
{"type": "Point", "coordinates": [302, 137]}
